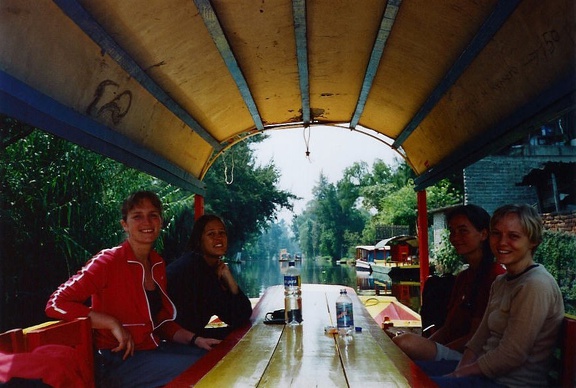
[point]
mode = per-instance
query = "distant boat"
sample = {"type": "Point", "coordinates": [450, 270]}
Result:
{"type": "Point", "coordinates": [363, 266]}
{"type": "Point", "coordinates": [403, 254]}
{"type": "Point", "coordinates": [367, 256]}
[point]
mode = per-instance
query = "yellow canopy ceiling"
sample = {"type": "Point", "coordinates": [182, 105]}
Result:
{"type": "Point", "coordinates": [166, 86]}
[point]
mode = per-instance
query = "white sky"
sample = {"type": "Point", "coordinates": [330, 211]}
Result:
{"type": "Point", "coordinates": [332, 149]}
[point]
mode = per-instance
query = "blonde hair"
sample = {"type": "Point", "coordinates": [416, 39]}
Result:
{"type": "Point", "coordinates": [529, 220]}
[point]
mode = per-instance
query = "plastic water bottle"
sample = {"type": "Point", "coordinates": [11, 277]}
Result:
{"type": "Point", "coordinates": [292, 295]}
{"type": "Point", "coordinates": [344, 313]}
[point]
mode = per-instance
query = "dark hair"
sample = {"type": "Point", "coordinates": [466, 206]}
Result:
{"type": "Point", "coordinates": [136, 198]}
{"type": "Point", "coordinates": [529, 220]}
{"type": "Point", "coordinates": [477, 215]}
{"type": "Point", "coordinates": [480, 219]}
{"type": "Point", "coordinates": [195, 241]}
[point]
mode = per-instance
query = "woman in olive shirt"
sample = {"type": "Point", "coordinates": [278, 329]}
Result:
{"type": "Point", "coordinates": [514, 342]}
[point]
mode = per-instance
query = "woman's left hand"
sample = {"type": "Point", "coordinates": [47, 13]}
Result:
{"type": "Point", "coordinates": [206, 343]}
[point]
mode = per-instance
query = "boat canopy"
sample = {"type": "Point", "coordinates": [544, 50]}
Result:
{"type": "Point", "coordinates": [410, 240]}
{"type": "Point", "coordinates": [168, 86]}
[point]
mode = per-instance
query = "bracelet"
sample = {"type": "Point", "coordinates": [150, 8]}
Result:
{"type": "Point", "coordinates": [193, 340]}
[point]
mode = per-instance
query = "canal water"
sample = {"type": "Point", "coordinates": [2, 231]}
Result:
{"type": "Point", "coordinates": [254, 276]}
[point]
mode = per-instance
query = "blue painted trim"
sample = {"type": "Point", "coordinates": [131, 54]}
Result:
{"type": "Point", "coordinates": [91, 28]}
{"type": "Point", "coordinates": [23, 103]}
{"type": "Point", "coordinates": [215, 29]}
{"type": "Point", "coordinates": [300, 31]}
{"type": "Point", "coordinates": [386, 24]}
{"type": "Point", "coordinates": [491, 141]}
{"type": "Point", "coordinates": [497, 18]}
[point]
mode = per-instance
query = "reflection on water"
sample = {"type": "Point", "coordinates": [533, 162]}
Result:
{"type": "Point", "coordinates": [254, 276]}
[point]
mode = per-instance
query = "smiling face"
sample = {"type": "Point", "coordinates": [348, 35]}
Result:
{"type": "Point", "coordinates": [214, 241]}
{"type": "Point", "coordinates": [510, 244]}
{"type": "Point", "coordinates": [143, 223]}
{"type": "Point", "coordinates": [466, 239]}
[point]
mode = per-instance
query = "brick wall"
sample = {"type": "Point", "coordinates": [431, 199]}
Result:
{"type": "Point", "coordinates": [491, 182]}
{"type": "Point", "coordinates": [564, 222]}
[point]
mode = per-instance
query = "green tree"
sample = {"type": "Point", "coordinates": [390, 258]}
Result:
{"type": "Point", "coordinates": [245, 195]}
{"type": "Point", "coordinates": [307, 229]}
{"type": "Point", "coordinates": [557, 253]}
{"type": "Point", "coordinates": [446, 259]}
{"type": "Point", "coordinates": [59, 205]}
{"type": "Point", "coordinates": [333, 216]}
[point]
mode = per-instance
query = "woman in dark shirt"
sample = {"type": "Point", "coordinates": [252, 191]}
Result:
{"type": "Point", "coordinates": [201, 284]}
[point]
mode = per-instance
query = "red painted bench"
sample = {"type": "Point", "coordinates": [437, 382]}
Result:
{"type": "Point", "coordinates": [12, 341]}
{"type": "Point", "coordinates": [76, 334]}
{"type": "Point", "coordinates": [568, 352]}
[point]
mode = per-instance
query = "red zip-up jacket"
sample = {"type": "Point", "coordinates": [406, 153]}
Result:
{"type": "Point", "coordinates": [114, 279]}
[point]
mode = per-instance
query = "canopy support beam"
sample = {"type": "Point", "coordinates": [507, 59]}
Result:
{"type": "Point", "coordinates": [493, 23]}
{"type": "Point", "coordinates": [215, 29]}
{"type": "Point", "coordinates": [91, 28]}
{"type": "Point", "coordinates": [558, 97]}
{"type": "Point", "coordinates": [423, 238]}
{"type": "Point", "coordinates": [388, 20]}
{"type": "Point", "coordinates": [299, 10]}
{"type": "Point", "coordinates": [198, 206]}
{"type": "Point", "coordinates": [23, 103]}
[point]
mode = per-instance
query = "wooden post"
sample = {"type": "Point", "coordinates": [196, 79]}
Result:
{"type": "Point", "coordinates": [198, 206]}
{"type": "Point", "coordinates": [423, 238]}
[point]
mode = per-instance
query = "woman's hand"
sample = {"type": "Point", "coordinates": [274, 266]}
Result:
{"type": "Point", "coordinates": [184, 336]}
{"type": "Point", "coordinates": [125, 340]}
{"type": "Point", "coordinates": [225, 276]}
{"type": "Point", "coordinates": [206, 343]}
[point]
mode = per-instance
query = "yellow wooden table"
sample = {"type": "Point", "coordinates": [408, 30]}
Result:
{"type": "Point", "coordinates": [306, 356]}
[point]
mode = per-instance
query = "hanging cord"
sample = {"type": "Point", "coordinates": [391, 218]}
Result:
{"type": "Point", "coordinates": [228, 181]}
{"type": "Point", "coordinates": [307, 141]}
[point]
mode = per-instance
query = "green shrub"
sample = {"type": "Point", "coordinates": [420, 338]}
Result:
{"type": "Point", "coordinates": [558, 254]}
{"type": "Point", "coordinates": [445, 256]}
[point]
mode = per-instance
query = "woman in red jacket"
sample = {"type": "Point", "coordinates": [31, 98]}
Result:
{"type": "Point", "coordinates": [130, 310]}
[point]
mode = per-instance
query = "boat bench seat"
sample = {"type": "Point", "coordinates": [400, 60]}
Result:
{"type": "Point", "coordinates": [564, 369]}
{"type": "Point", "coordinates": [26, 347]}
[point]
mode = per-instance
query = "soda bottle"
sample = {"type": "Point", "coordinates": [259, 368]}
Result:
{"type": "Point", "coordinates": [344, 313]}
{"type": "Point", "coordinates": [292, 295]}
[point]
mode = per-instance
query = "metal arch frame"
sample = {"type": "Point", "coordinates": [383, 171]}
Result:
{"type": "Point", "coordinates": [215, 29]}
{"type": "Point", "coordinates": [386, 25]}
{"type": "Point", "coordinates": [560, 95]}
{"type": "Point", "coordinates": [92, 29]}
{"type": "Point", "coordinates": [497, 18]}
{"type": "Point", "coordinates": [300, 31]}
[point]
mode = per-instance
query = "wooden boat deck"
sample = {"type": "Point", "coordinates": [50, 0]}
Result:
{"type": "Point", "coordinates": [277, 355]}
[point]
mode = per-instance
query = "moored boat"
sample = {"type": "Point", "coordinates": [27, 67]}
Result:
{"type": "Point", "coordinates": [384, 308]}
{"type": "Point", "coordinates": [403, 254]}
{"type": "Point", "coordinates": [367, 255]}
